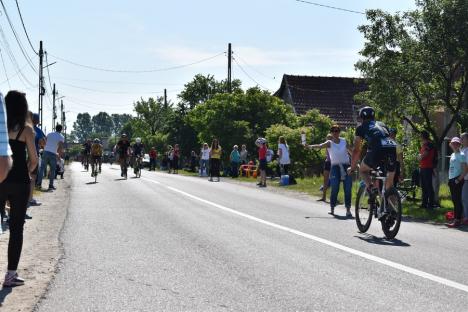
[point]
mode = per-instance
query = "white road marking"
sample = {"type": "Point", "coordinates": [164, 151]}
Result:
{"type": "Point", "coordinates": [358, 253]}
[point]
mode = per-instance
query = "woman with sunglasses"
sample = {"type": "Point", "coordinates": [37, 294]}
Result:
{"type": "Point", "coordinates": [337, 149]}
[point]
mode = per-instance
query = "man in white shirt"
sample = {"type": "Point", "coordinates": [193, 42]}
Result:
{"type": "Point", "coordinates": [5, 151]}
{"type": "Point", "coordinates": [54, 147]}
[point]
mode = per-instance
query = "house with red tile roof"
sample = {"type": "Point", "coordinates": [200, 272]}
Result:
{"type": "Point", "coordinates": [332, 96]}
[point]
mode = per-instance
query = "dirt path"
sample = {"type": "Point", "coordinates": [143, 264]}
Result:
{"type": "Point", "coordinates": [41, 250]}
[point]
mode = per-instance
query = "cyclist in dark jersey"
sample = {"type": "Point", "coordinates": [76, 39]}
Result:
{"type": "Point", "coordinates": [122, 148]}
{"type": "Point", "coordinates": [381, 149]}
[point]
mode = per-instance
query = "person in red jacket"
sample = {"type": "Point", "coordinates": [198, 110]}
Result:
{"type": "Point", "coordinates": [262, 153]}
{"type": "Point", "coordinates": [426, 157]}
{"type": "Point", "coordinates": [153, 154]}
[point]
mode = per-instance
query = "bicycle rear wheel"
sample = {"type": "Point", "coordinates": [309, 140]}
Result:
{"type": "Point", "coordinates": [363, 210]}
{"type": "Point", "coordinates": [391, 223]}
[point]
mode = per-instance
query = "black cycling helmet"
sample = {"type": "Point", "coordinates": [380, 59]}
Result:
{"type": "Point", "coordinates": [367, 112]}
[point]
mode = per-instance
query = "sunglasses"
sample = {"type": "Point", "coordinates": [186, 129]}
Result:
{"type": "Point", "coordinates": [336, 130]}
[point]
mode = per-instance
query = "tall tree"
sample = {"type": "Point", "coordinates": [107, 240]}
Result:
{"type": "Point", "coordinates": [103, 124]}
{"type": "Point", "coordinates": [119, 121]}
{"type": "Point", "coordinates": [417, 63]}
{"type": "Point", "coordinates": [82, 127]}
{"type": "Point", "coordinates": [152, 114]}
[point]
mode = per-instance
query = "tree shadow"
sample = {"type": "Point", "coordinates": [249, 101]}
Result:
{"type": "Point", "coordinates": [371, 239]}
{"type": "Point", "coordinates": [4, 292]}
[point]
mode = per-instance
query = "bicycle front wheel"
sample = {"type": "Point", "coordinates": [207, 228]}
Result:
{"type": "Point", "coordinates": [363, 210]}
{"type": "Point", "coordinates": [391, 222]}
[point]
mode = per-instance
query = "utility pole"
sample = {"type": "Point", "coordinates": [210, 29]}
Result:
{"type": "Point", "coordinates": [64, 130]}
{"type": "Point", "coordinates": [165, 98]}
{"type": "Point", "coordinates": [62, 115]}
{"type": "Point", "coordinates": [229, 77]}
{"type": "Point", "coordinates": [54, 108]}
{"type": "Point", "coordinates": [41, 83]}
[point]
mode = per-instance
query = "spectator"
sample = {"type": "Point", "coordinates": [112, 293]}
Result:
{"type": "Point", "coordinates": [54, 145]}
{"type": "Point", "coordinates": [262, 151]}
{"type": "Point", "coordinates": [244, 155]}
{"type": "Point", "coordinates": [39, 142]}
{"type": "Point", "coordinates": [235, 161]}
{"type": "Point", "coordinates": [426, 169]}
{"type": "Point", "coordinates": [340, 162]}
{"type": "Point", "coordinates": [165, 161]}
{"type": "Point", "coordinates": [399, 169]}
{"type": "Point", "coordinates": [326, 173]}
{"type": "Point", "coordinates": [5, 151]}
{"type": "Point", "coordinates": [215, 159]}
{"type": "Point", "coordinates": [204, 160]}
{"type": "Point", "coordinates": [269, 158]}
{"type": "Point", "coordinates": [170, 155]}
{"type": "Point", "coordinates": [153, 155]}
{"type": "Point", "coordinates": [464, 139]}
{"type": "Point", "coordinates": [283, 155]}
{"type": "Point", "coordinates": [16, 187]}
{"type": "Point", "coordinates": [175, 159]}
{"type": "Point", "coordinates": [193, 161]}
{"type": "Point", "coordinates": [456, 179]}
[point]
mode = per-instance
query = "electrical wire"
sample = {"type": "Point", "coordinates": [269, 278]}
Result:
{"type": "Point", "coordinates": [24, 28]}
{"type": "Point", "coordinates": [26, 56]}
{"type": "Point", "coordinates": [250, 77]}
{"type": "Point", "coordinates": [4, 68]}
{"type": "Point", "coordinates": [331, 7]}
{"type": "Point", "coordinates": [15, 74]}
{"type": "Point", "coordinates": [136, 71]}
{"type": "Point", "coordinates": [109, 92]}
{"type": "Point", "coordinates": [12, 58]}
{"type": "Point", "coordinates": [119, 82]}
{"type": "Point", "coordinates": [251, 67]}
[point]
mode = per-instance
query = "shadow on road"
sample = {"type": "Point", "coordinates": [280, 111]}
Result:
{"type": "Point", "coordinates": [89, 183]}
{"type": "Point", "coordinates": [343, 218]}
{"type": "Point", "coordinates": [316, 217]}
{"type": "Point", "coordinates": [4, 293]}
{"type": "Point", "coordinates": [382, 241]}
{"type": "Point", "coordinates": [120, 179]}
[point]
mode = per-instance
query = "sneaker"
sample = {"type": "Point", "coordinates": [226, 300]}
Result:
{"type": "Point", "coordinates": [211, 180]}
{"type": "Point", "coordinates": [12, 280]}
{"type": "Point", "coordinates": [27, 217]}
{"type": "Point", "coordinates": [52, 188]}
{"type": "Point", "coordinates": [262, 185]}
{"type": "Point", "coordinates": [259, 184]}
{"type": "Point", "coordinates": [332, 211]}
{"type": "Point", "coordinates": [349, 214]}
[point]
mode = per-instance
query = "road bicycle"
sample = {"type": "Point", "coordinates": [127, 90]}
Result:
{"type": "Point", "coordinates": [384, 205]}
{"type": "Point", "coordinates": [94, 168]}
{"type": "Point", "coordinates": [137, 166]}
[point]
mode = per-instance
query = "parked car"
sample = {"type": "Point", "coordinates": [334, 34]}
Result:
{"type": "Point", "coordinates": [146, 160]}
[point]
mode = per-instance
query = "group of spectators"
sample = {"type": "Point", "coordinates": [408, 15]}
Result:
{"type": "Point", "coordinates": [21, 169]}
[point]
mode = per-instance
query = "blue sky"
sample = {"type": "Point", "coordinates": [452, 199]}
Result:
{"type": "Point", "coordinates": [269, 38]}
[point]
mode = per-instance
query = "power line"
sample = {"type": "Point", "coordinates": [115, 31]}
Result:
{"type": "Point", "coordinates": [119, 82]}
{"type": "Point", "coordinates": [110, 92]}
{"type": "Point", "coordinates": [15, 74]}
{"type": "Point", "coordinates": [26, 56]}
{"type": "Point", "coordinates": [250, 77]}
{"type": "Point", "coordinates": [331, 7]}
{"type": "Point", "coordinates": [251, 67]}
{"type": "Point", "coordinates": [136, 71]}
{"type": "Point", "coordinates": [24, 27]}
{"type": "Point", "coordinates": [4, 68]}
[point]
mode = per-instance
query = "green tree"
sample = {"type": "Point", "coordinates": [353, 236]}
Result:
{"type": "Point", "coordinates": [82, 127]}
{"type": "Point", "coordinates": [417, 63]}
{"type": "Point", "coordinates": [239, 118]}
{"type": "Point", "coordinates": [152, 115]}
{"type": "Point", "coordinates": [119, 121]}
{"type": "Point", "coordinates": [102, 124]}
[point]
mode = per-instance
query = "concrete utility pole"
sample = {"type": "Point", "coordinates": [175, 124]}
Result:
{"type": "Point", "coordinates": [41, 82]}
{"type": "Point", "coordinates": [165, 98]}
{"type": "Point", "coordinates": [54, 108]}
{"type": "Point", "coordinates": [229, 77]}
{"type": "Point", "coordinates": [62, 115]}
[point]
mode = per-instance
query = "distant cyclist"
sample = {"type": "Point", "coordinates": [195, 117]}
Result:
{"type": "Point", "coordinates": [381, 149]}
{"type": "Point", "coordinates": [96, 156]}
{"type": "Point", "coordinates": [86, 151]}
{"type": "Point", "coordinates": [123, 147]}
{"type": "Point", "coordinates": [138, 150]}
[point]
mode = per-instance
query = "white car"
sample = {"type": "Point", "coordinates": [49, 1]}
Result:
{"type": "Point", "coordinates": [146, 160]}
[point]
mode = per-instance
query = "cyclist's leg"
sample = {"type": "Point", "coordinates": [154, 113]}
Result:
{"type": "Point", "coordinates": [390, 166]}
{"type": "Point", "coordinates": [365, 168]}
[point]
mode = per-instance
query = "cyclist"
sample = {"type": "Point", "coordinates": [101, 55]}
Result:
{"type": "Point", "coordinates": [86, 150]}
{"type": "Point", "coordinates": [381, 149]}
{"type": "Point", "coordinates": [123, 147]}
{"type": "Point", "coordinates": [138, 152]}
{"type": "Point", "coordinates": [96, 156]}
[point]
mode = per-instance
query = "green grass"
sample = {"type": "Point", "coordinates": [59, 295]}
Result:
{"type": "Point", "coordinates": [311, 186]}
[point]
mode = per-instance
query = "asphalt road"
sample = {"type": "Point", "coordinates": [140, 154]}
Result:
{"type": "Point", "coordinates": [174, 243]}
